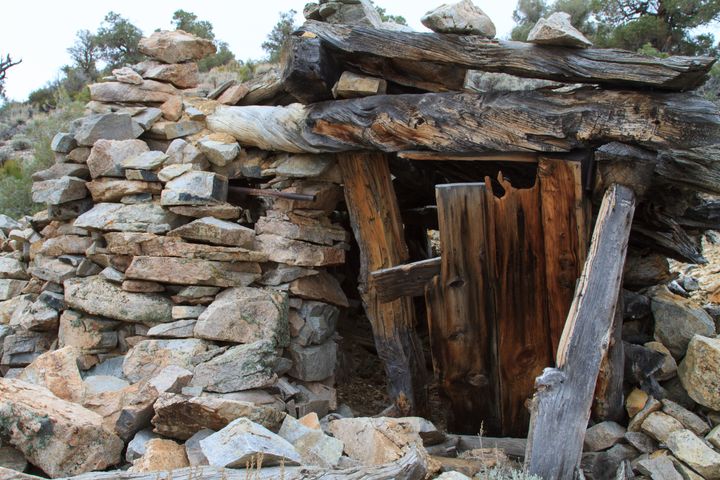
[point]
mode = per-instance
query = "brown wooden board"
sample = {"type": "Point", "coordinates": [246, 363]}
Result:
{"type": "Point", "coordinates": [561, 405]}
{"type": "Point", "coordinates": [488, 320]}
{"type": "Point", "coordinates": [407, 280]}
{"type": "Point", "coordinates": [376, 223]}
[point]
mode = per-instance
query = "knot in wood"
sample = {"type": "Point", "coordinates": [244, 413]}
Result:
{"type": "Point", "coordinates": [551, 377]}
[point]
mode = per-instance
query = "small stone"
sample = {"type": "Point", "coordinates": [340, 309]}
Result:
{"type": "Point", "coordinates": [635, 402]}
{"type": "Point", "coordinates": [193, 449]}
{"type": "Point", "coordinates": [242, 367]}
{"type": "Point", "coordinates": [63, 143]}
{"type": "Point", "coordinates": [463, 17]}
{"type": "Point", "coordinates": [89, 334]}
{"type": "Point", "coordinates": [195, 188]}
{"type": "Point", "coordinates": [12, 268]}
{"type": "Point", "coordinates": [97, 384]}
{"type": "Point", "coordinates": [47, 430]}
{"type": "Point", "coordinates": [79, 155]}
{"type": "Point", "coordinates": [169, 172]}
{"type": "Point", "coordinates": [658, 468]}
{"type": "Point", "coordinates": [313, 363]}
{"type": "Point", "coordinates": [243, 441]}
{"type": "Point", "coordinates": [686, 417]}
{"type": "Point", "coordinates": [147, 118]}
{"type": "Point", "coordinates": [714, 437]}
{"type": "Point", "coordinates": [57, 191]}
{"type": "Point", "coordinates": [233, 95]}
{"type": "Point", "coordinates": [176, 46]}
{"type": "Point", "coordinates": [182, 75]}
{"type": "Point", "coordinates": [97, 296]}
{"type": "Point", "coordinates": [20, 349]}
{"type": "Point", "coordinates": [660, 425]}
{"type": "Point", "coordinates": [10, 288]}
{"type": "Point", "coordinates": [137, 446]}
{"type": "Point", "coordinates": [108, 126]}
{"type": "Point", "coordinates": [172, 109]}
{"type": "Point", "coordinates": [699, 371]}
{"type": "Point", "coordinates": [178, 329]}
{"type": "Point", "coordinates": [171, 379]}
{"type": "Point", "coordinates": [217, 232]}
{"type": "Point", "coordinates": [149, 160]}
{"type": "Point", "coordinates": [182, 152]}
{"type": "Point", "coordinates": [603, 436]}
{"type": "Point", "coordinates": [641, 442]}
{"type": "Point", "coordinates": [690, 449]}
{"type": "Point", "coordinates": [280, 273]}
{"type": "Point", "coordinates": [112, 275]}
{"type": "Point", "coordinates": [141, 175]}
{"type": "Point", "coordinates": [219, 153]}
{"type": "Point", "coordinates": [322, 287]}
{"type": "Point", "coordinates": [222, 211]}
{"type": "Point", "coordinates": [181, 312]}
{"type": "Point", "coordinates": [352, 85]}
{"type": "Point", "coordinates": [298, 253]}
{"type": "Point", "coordinates": [246, 315]}
{"type": "Point", "coordinates": [150, 357]}
{"type": "Point", "coordinates": [106, 156]}
{"type": "Point", "coordinates": [677, 320]}
{"type": "Point", "coordinates": [142, 217]}
{"type": "Point", "coordinates": [314, 447]}
{"type": "Point", "coordinates": [557, 29]}
{"type": "Point", "coordinates": [161, 455]}
{"type": "Point", "coordinates": [181, 416]}
{"type": "Point", "coordinates": [373, 441]}
{"type": "Point", "coordinates": [60, 170]}
{"type": "Point", "coordinates": [127, 75]}
{"type": "Point", "coordinates": [12, 459]}
{"type": "Point", "coordinates": [182, 129]}
{"type": "Point", "coordinates": [669, 367]}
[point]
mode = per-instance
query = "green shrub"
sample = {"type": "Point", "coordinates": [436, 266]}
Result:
{"type": "Point", "coordinates": [20, 143]}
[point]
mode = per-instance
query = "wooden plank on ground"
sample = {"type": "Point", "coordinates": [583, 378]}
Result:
{"type": "Point", "coordinates": [561, 406]}
{"type": "Point", "coordinates": [488, 317]}
{"type": "Point", "coordinates": [565, 213]}
{"type": "Point", "coordinates": [407, 280]}
{"type": "Point", "coordinates": [378, 229]}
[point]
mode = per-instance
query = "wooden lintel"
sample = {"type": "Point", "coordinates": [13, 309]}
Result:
{"type": "Point", "coordinates": [375, 50]}
{"type": "Point", "coordinates": [408, 280]}
{"type": "Point", "coordinates": [522, 157]}
{"type": "Point", "coordinates": [562, 402]}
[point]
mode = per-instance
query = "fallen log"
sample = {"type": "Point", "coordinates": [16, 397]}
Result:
{"type": "Point", "coordinates": [535, 121]}
{"type": "Point", "coordinates": [407, 280]}
{"type": "Point", "coordinates": [561, 405]}
{"type": "Point", "coordinates": [412, 466]}
{"type": "Point", "coordinates": [376, 51]}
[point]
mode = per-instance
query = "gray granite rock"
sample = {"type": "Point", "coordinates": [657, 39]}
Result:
{"type": "Point", "coordinates": [150, 160]}
{"type": "Point", "coordinates": [557, 29]}
{"type": "Point", "coordinates": [150, 357]}
{"type": "Point", "coordinates": [60, 190]}
{"type": "Point", "coordinates": [63, 143]}
{"type": "Point", "coordinates": [677, 320]}
{"type": "Point", "coordinates": [242, 367]}
{"type": "Point", "coordinates": [107, 126]}
{"type": "Point", "coordinates": [136, 446]}
{"type": "Point", "coordinates": [195, 188]}
{"type": "Point", "coordinates": [141, 217]}
{"type": "Point", "coordinates": [463, 17]}
{"type": "Point", "coordinates": [217, 232]}
{"type": "Point", "coordinates": [107, 156]}
{"type": "Point", "coordinates": [313, 363]}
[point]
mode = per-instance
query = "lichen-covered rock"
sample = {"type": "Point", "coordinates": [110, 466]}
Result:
{"type": "Point", "coordinates": [58, 372]}
{"type": "Point", "coordinates": [463, 17]}
{"type": "Point", "coordinates": [243, 367]}
{"type": "Point", "coordinates": [142, 217]}
{"type": "Point", "coordinates": [149, 357]}
{"type": "Point", "coordinates": [61, 438]}
{"type": "Point", "coordinates": [690, 449]}
{"type": "Point", "coordinates": [193, 271]}
{"type": "Point", "coordinates": [246, 315]}
{"type": "Point", "coordinates": [176, 46]}
{"type": "Point", "coordinates": [97, 296]}
{"type": "Point", "coordinates": [699, 371]}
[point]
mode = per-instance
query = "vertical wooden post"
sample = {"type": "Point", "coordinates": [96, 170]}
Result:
{"type": "Point", "coordinates": [488, 316]}
{"type": "Point", "coordinates": [378, 229]}
{"type": "Point", "coordinates": [609, 401]}
{"type": "Point", "coordinates": [561, 406]}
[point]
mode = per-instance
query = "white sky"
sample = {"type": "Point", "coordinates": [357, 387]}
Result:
{"type": "Point", "coordinates": [40, 31]}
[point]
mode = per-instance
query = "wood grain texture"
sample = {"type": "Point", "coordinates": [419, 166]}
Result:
{"type": "Point", "coordinates": [561, 406]}
{"type": "Point", "coordinates": [565, 216]}
{"type": "Point", "coordinates": [575, 65]}
{"type": "Point", "coordinates": [378, 229]}
{"type": "Point", "coordinates": [521, 157]}
{"type": "Point", "coordinates": [308, 71]}
{"type": "Point", "coordinates": [673, 124]}
{"type": "Point", "coordinates": [609, 401]}
{"type": "Point", "coordinates": [488, 322]}
{"type": "Point", "coordinates": [408, 280]}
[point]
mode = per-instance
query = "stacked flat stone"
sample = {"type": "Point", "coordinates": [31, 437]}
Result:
{"type": "Point", "coordinates": [149, 293]}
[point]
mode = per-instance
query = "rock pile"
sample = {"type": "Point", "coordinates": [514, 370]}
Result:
{"type": "Point", "coordinates": [143, 299]}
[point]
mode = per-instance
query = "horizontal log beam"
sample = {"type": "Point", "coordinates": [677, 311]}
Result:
{"type": "Point", "coordinates": [382, 50]}
{"type": "Point", "coordinates": [520, 157]}
{"type": "Point", "coordinates": [407, 280]}
{"type": "Point", "coordinates": [535, 121]}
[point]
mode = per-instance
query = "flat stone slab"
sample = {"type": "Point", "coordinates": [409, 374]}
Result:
{"type": "Point", "coordinates": [142, 217]}
{"type": "Point", "coordinates": [217, 232]}
{"type": "Point", "coordinates": [195, 188]}
{"type": "Point", "coordinates": [175, 46]}
{"type": "Point", "coordinates": [58, 191]}
{"type": "Point", "coordinates": [193, 271]}
{"type": "Point", "coordinates": [150, 357]}
{"type": "Point", "coordinates": [242, 367]}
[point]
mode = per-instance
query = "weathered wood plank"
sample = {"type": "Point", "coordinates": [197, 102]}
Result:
{"type": "Point", "coordinates": [561, 406]}
{"type": "Point", "coordinates": [407, 280]}
{"type": "Point", "coordinates": [488, 322]}
{"type": "Point", "coordinates": [521, 157]}
{"type": "Point", "coordinates": [609, 402]}
{"type": "Point", "coordinates": [565, 213]}
{"type": "Point", "coordinates": [536, 121]}
{"type": "Point", "coordinates": [378, 229]}
{"type": "Point", "coordinates": [378, 48]}
{"type": "Point", "coordinates": [308, 71]}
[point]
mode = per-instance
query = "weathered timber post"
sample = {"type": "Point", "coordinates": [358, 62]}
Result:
{"type": "Point", "coordinates": [376, 222]}
{"type": "Point", "coordinates": [561, 406]}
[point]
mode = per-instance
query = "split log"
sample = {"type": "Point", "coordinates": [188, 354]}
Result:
{"type": "Point", "coordinates": [609, 403]}
{"type": "Point", "coordinates": [407, 280]}
{"type": "Point", "coordinates": [561, 406]}
{"type": "Point", "coordinates": [412, 466]}
{"type": "Point", "coordinates": [376, 51]}
{"type": "Point", "coordinates": [376, 223]}
{"type": "Point", "coordinates": [535, 121]}
{"type": "Point", "coordinates": [487, 309]}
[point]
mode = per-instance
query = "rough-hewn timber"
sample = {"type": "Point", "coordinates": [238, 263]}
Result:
{"type": "Point", "coordinates": [561, 406]}
{"type": "Point", "coordinates": [376, 50]}
{"type": "Point", "coordinates": [407, 280]}
{"type": "Point", "coordinates": [536, 121]}
{"type": "Point", "coordinates": [375, 219]}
